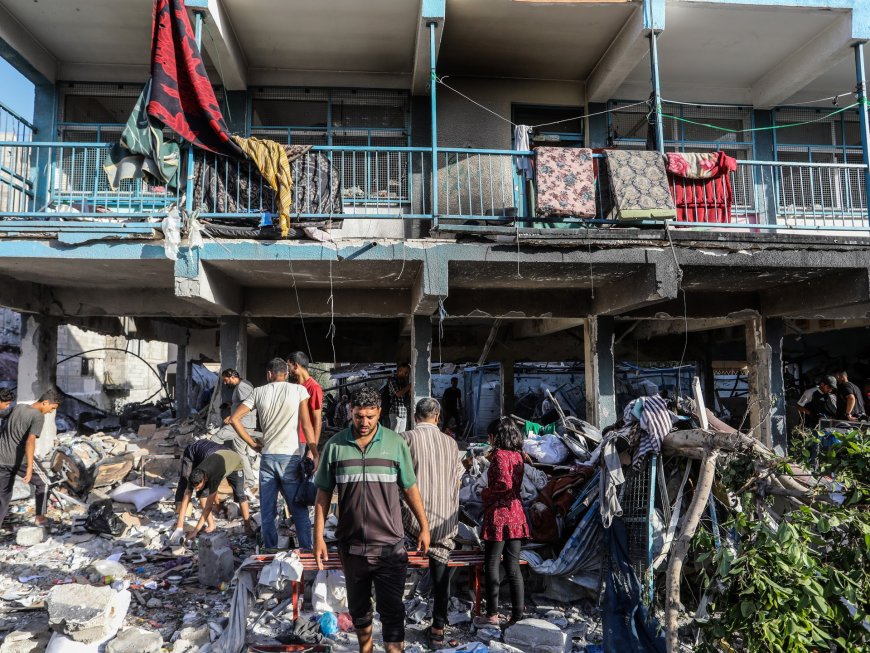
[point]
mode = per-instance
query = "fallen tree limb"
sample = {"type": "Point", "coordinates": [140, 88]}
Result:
{"type": "Point", "coordinates": [681, 546]}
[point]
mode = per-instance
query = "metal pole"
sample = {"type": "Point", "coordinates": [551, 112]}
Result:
{"type": "Point", "coordinates": [862, 113]}
{"type": "Point", "coordinates": [188, 200]}
{"type": "Point", "coordinates": [656, 89]}
{"type": "Point", "coordinates": [432, 95]}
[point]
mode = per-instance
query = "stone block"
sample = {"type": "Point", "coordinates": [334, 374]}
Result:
{"type": "Point", "coordinates": [30, 535]}
{"type": "Point", "coordinates": [216, 564]}
{"type": "Point", "coordinates": [136, 640]}
{"type": "Point", "coordinates": [86, 613]}
{"type": "Point", "coordinates": [536, 636]}
{"type": "Point", "coordinates": [191, 639]}
{"type": "Point", "coordinates": [33, 639]}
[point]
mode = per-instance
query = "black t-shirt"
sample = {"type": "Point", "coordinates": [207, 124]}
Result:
{"type": "Point", "coordinates": [822, 405]}
{"type": "Point", "coordinates": [451, 399]}
{"type": "Point", "coordinates": [843, 391]}
{"type": "Point", "coordinates": [218, 466]}
{"type": "Point", "coordinates": [23, 421]}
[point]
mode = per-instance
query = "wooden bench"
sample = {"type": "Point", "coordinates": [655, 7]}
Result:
{"type": "Point", "coordinates": [416, 560]}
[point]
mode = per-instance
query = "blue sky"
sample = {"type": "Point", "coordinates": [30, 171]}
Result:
{"type": "Point", "coordinates": [16, 92]}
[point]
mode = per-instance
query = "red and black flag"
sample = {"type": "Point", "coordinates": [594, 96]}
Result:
{"type": "Point", "coordinates": [182, 97]}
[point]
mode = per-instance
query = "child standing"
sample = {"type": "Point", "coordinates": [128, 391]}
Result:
{"type": "Point", "coordinates": [504, 522]}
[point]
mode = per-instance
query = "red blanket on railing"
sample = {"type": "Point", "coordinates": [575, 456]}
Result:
{"type": "Point", "coordinates": [182, 97]}
{"type": "Point", "coordinates": [701, 185]}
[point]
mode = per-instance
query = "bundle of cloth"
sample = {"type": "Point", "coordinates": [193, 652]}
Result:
{"type": "Point", "coordinates": [701, 185]}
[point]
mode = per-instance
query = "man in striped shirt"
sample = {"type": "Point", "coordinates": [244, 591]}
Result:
{"type": "Point", "coordinates": [369, 463]}
{"type": "Point", "coordinates": [439, 471]}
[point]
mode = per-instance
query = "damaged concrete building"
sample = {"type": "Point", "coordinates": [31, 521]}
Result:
{"type": "Point", "coordinates": [462, 188]}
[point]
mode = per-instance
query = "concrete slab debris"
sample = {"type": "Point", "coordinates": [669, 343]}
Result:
{"type": "Point", "coordinates": [30, 535]}
{"type": "Point", "coordinates": [536, 636]}
{"type": "Point", "coordinates": [136, 640]}
{"type": "Point", "coordinates": [86, 613]}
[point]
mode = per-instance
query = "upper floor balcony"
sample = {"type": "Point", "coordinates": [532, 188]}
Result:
{"type": "Point", "coordinates": [388, 160]}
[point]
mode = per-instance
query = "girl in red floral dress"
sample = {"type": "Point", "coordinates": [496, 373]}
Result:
{"type": "Point", "coordinates": [504, 522]}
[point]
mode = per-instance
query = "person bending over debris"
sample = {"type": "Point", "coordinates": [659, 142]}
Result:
{"type": "Point", "coordinates": [194, 455]}
{"type": "Point", "coordinates": [504, 522]}
{"type": "Point", "coordinates": [282, 408]}
{"type": "Point", "coordinates": [17, 449]}
{"type": "Point", "coordinates": [369, 463]}
{"type": "Point", "coordinates": [206, 477]}
{"type": "Point", "coordinates": [242, 389]}
{"type": "Point", "coordinates": [439, 471]}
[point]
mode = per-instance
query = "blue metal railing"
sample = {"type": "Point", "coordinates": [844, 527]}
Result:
{"type": "Point", "coordinates": [15, 186]}
{"type": "Point", "coordinates": [474, 188]}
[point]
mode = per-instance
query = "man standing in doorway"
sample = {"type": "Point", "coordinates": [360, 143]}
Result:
{"type": "Point", "coordinates": [452, 405]}
{"type": "Point", "coordinates": [282, 408]}
{"type": "Point", "coordinates": [298, 364]}
{"type": "Point", "coordinates": [18, 448]}
{"type": "Point", "coordinates": [226, 435]}
{"type": "Point", "coordinates": [399, 390]}
{"type": "Point", "coordinates": [369, 463]}
{"type": "Point", "coordinates": [850, 403]}
{"type": "Point", "coordinates": [439, 471]}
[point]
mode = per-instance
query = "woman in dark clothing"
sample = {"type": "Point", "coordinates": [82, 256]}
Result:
{"type": "Point", "coordinates": [504, 522]}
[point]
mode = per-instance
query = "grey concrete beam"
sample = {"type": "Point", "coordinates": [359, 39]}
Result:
{"type": "Point", "coordinates": [274, 302]}
{"type": "Point", "coordinates": [808, 62]}
{"type": "Point", "coordinates": [538, 328]}
{"type": "Point", "coordinates": [430, 286]}
{"type": "Point", "coordinates": [22, 50]}
{"type": "Point", "coordinates": [26, 297]}
{"type": "Point", "coordinates": [134, 302]}
{"type": "Point", "coordinates": [843, 289]}
{"type": "Point", "coordinates": [732, 305]}
{"type": "Point", "coordinates": [209, 289]}
{"type": "Point", "coordinates": [37, 363]}
{"type": "Point", "coordinates": [649, 285]}
{"type": "Point", "coordinates": [220, 41]}
{"type": "Point", "coordinates": [626, 51]}
{"type": "Point", "coordinates": [520, 305]}
{"type": "Point", "coordinates": [651, 329]}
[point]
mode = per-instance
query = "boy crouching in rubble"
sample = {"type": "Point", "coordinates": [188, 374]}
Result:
{"type": "Point", "coordinates": [205, 478]}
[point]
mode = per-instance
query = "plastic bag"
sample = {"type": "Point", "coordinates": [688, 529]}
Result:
{"type": "Point", "coordinates": [548, 449]}
{"type": "Point", "coordinates": [328, 624]}
{"type": "Point", "coordinates": [306, 491]}
{"type": "Point", "coordinates": [328, 593]}
{"type": "Point", "coordinates": [171, 227]}
{"type": "Point", "coordinates": [101, 519]}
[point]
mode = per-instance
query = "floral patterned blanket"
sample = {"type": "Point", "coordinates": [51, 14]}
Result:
{"type": "Point", "coordinates": [565, 182]}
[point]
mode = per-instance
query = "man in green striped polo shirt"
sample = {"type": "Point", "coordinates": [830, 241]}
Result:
{"type": "Point", "coordinates": [369, 463]}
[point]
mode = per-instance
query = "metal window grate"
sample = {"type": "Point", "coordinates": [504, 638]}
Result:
{"type": "Point", "coordinates": [628, 127]}
{"type": "Point", "coordinates": [635, 514]}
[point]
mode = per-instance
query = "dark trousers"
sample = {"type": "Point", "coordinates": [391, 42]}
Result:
{"type": "Point", "coordinates": [493, 552]}
{"type": "Point", "coordinates": [7, 482]}
{"type": "Point", "coordinates": [387, 572]}
{"type": "Point", "coordinates": [440, 574]}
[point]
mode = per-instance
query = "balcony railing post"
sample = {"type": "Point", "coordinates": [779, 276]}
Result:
{"type": "Point", "coordinates": [862, 113]}
{"type": "Point", "coordinates": [655, 81]}
{"type": "Point", "coordinates": [434, 105]}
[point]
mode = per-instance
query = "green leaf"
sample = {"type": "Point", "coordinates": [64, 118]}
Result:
{"type": "Point", "coordinates": [747, 608]}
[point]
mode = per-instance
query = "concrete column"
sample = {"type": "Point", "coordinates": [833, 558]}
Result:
{"type": "Point", "coordinates": [765, 150]}
{"type": "Point", "coordinates": [44, 113]}
{"type": "Point", "coordinates": [774, 331]}
{"type": "Point", "coordinates": [37, 365]}
{"type": "Point", "coordinates": [761, 403]}
{"type": "Point", "coordinates": [421, 358]}
{"type": "Point", "coordinates": [37, 371]}
{"type": "Point", "coordinates": [182, 386]}
{"type": "Point", "coordinates": [596, 126]}
{"type": "Point", "coordinates": [234, 343]}
{"type": "Point", "coordinates": [506, 374]}
{"type": "Point", "coordinates": [600, 369]}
